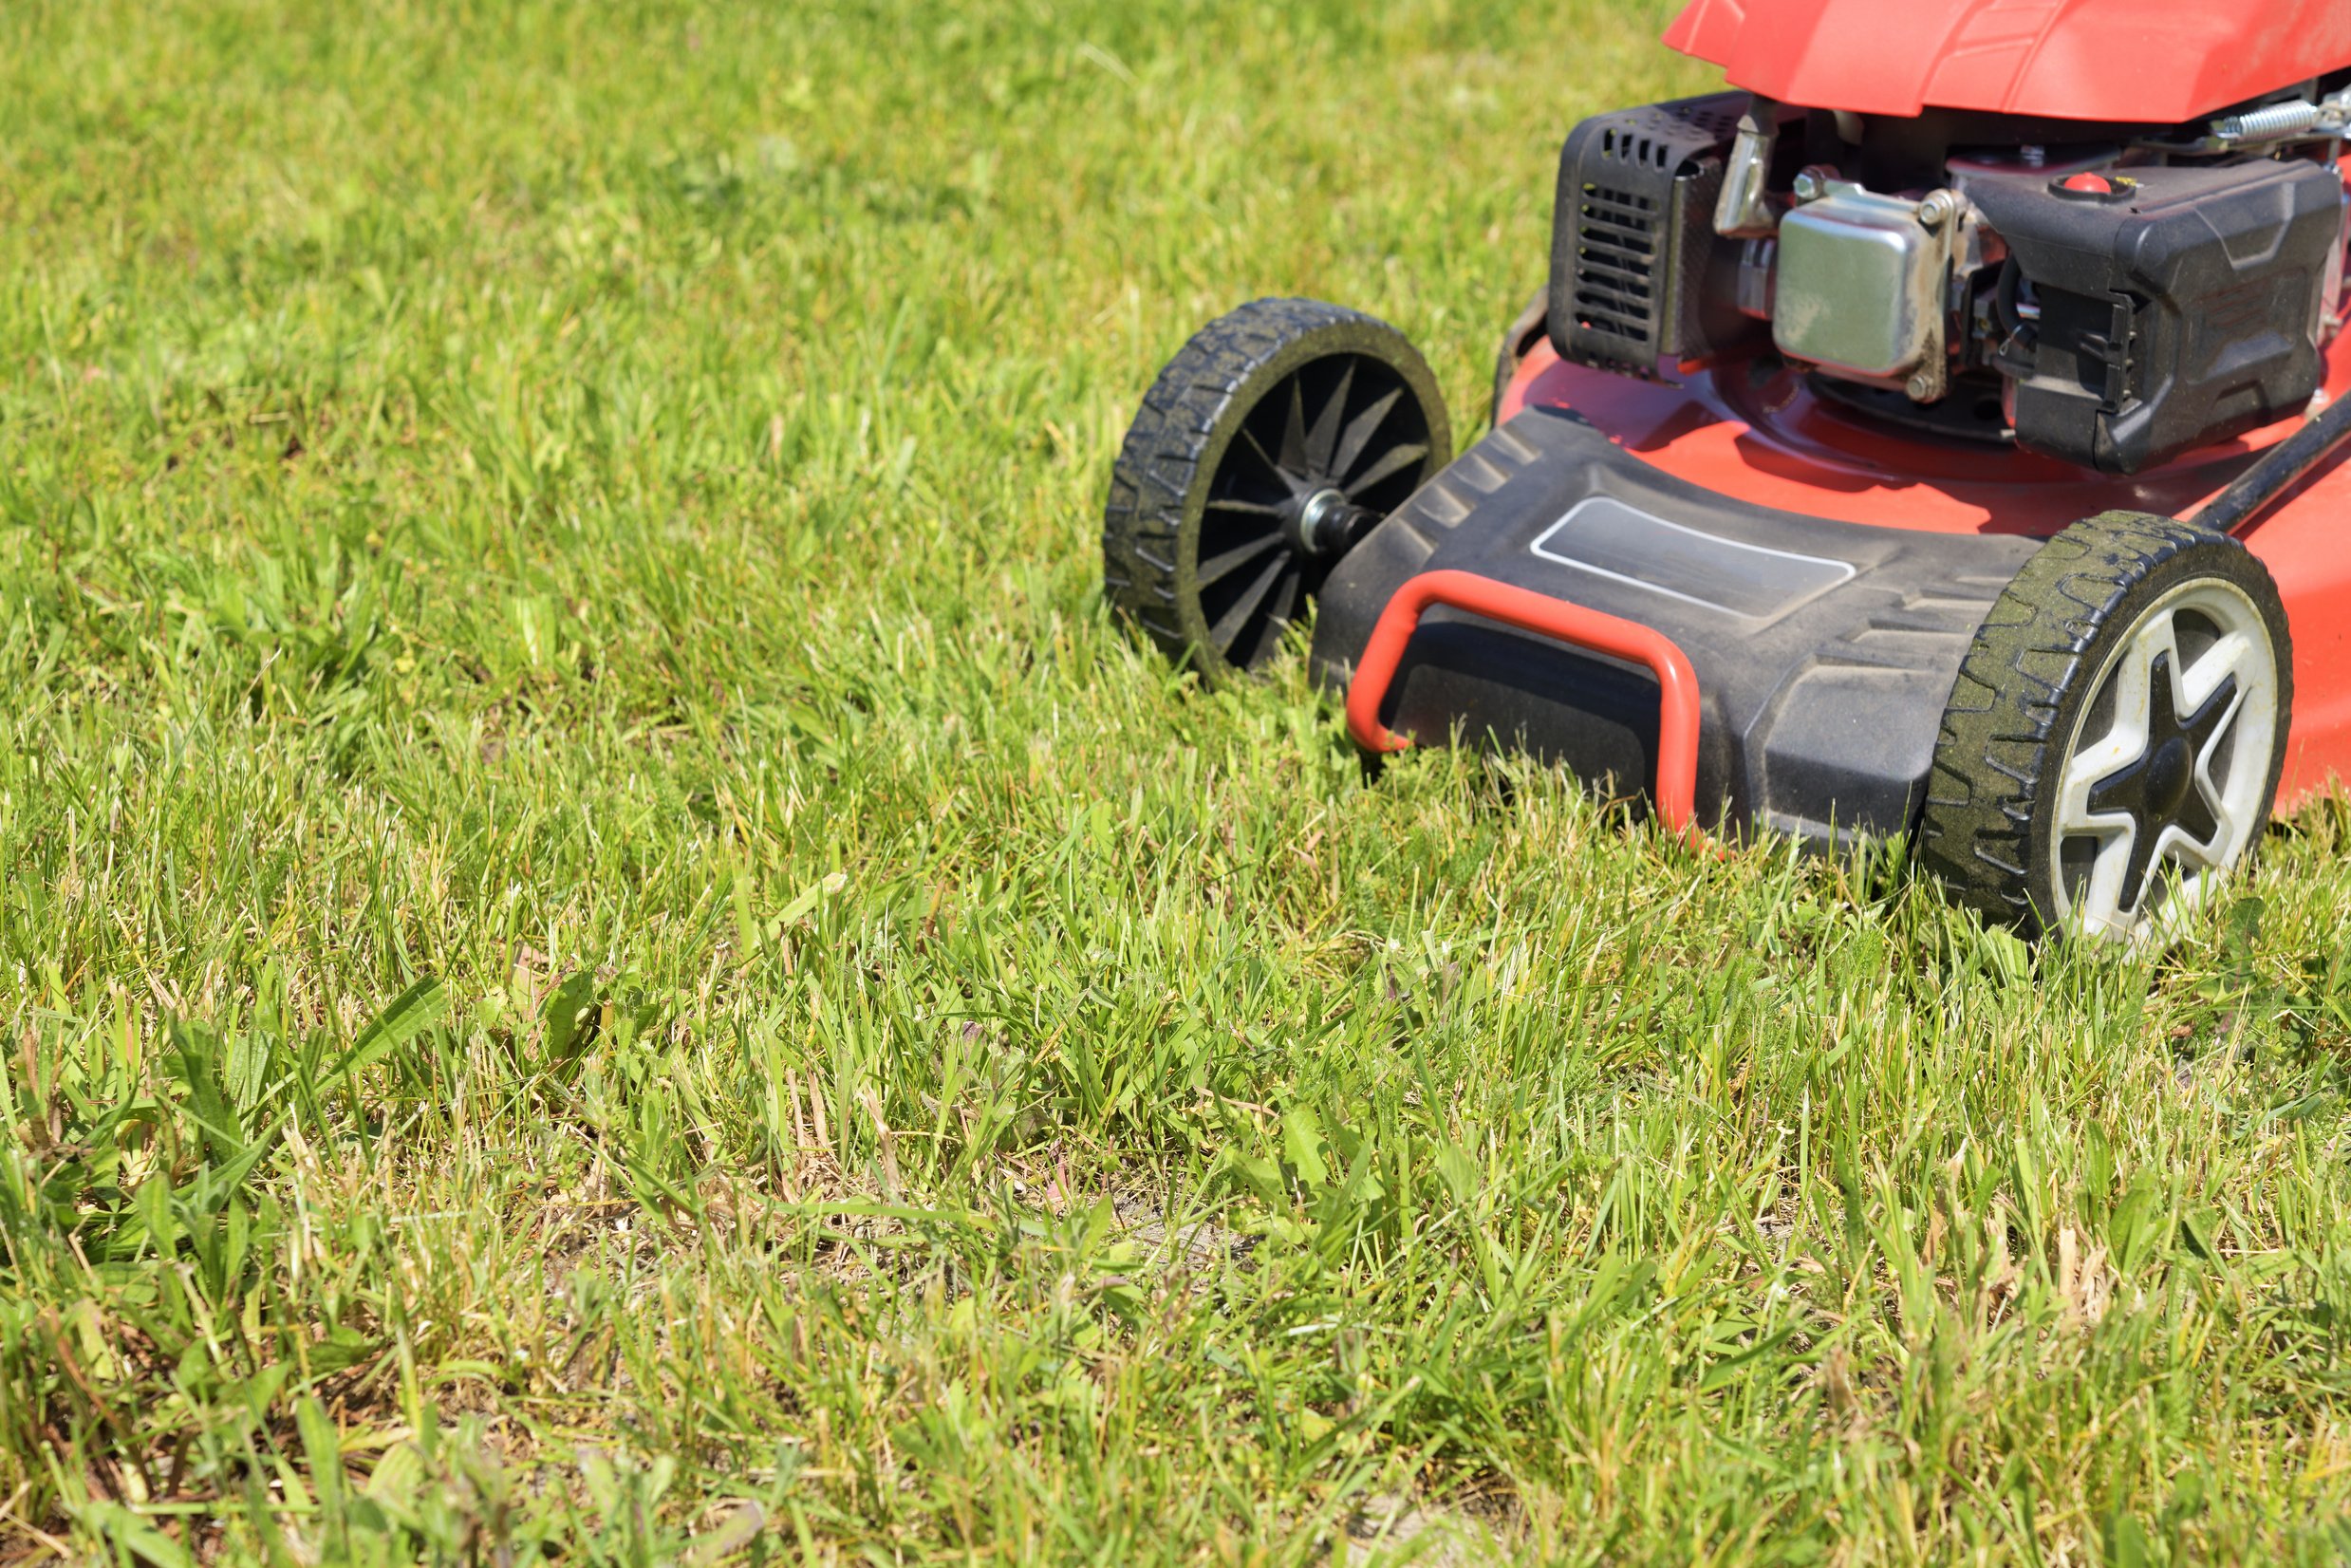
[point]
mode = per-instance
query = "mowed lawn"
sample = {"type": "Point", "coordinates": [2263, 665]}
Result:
{"type": "Point", "coordinates": [605, 951]}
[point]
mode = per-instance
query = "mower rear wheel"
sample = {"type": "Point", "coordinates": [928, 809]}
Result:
{"type": "Point", "coordinates": [1518, 340]}
{"type": "Point", "coordinates": [2112, 747]}
{"type": "Point", "coordinates": [1265, 449]}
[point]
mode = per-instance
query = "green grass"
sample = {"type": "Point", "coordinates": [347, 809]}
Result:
{"type": "Point", "coordinates": [604, 949]}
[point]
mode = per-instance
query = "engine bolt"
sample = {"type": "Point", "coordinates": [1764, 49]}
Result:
{"type": "Point", "coordinates": [1937, 208]}
{"type": "Point", "coordinates": [1919, 387]}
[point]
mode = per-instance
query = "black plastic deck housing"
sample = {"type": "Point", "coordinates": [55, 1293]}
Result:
{"type": "Point", "coordinates": [1824, 650]}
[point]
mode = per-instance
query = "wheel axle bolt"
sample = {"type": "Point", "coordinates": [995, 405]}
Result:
{"type": "Point", "coordinates": [1324, 520]}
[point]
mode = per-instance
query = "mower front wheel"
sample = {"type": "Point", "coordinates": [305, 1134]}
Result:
{"type": "Point", "coordinates": [1266, 448]}
{"type": "Point", "coordinates": [2112, 747]}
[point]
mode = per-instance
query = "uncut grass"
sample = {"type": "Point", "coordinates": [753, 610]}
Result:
{"type": "Point", "coordinates": [605, 950]}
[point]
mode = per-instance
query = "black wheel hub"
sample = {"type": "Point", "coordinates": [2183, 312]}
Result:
{"type": "Point", "coordinates": [1323, 454]}
{"type": "Point", "coordinates": [2171, 769]}
{"type": "Point", "coordinates": [2159, 789]}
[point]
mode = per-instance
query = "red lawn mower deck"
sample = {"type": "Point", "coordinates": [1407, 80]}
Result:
{"type": "Point", "coordinates": [1942, 450]}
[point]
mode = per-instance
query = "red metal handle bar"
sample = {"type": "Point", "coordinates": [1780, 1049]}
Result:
{"type": "Point", "coordinates": [1677, 682]}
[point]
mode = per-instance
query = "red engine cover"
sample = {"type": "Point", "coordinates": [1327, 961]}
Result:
{"type": "Point", "coordinates": [2148, 61]}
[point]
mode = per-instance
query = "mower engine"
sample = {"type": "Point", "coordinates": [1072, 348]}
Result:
{"type": "Point", "coordinates": [2111, 296]}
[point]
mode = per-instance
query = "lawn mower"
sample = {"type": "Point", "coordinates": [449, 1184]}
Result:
{"type": "Point", "coordinates": [1930, 435]}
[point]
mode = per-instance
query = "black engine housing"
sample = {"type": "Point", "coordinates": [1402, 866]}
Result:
{"type": "Point", "coordinates": [1637, 275]}
{"type": "Point", "coordinates": [2181, 309]}
{"type": "Point", "coordinates": [2181, 306]}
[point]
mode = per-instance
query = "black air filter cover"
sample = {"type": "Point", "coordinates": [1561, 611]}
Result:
{"type": "Point", "coordinates": [1633, 237]}
{"type": "Point", "coordinates": [2179, 310]}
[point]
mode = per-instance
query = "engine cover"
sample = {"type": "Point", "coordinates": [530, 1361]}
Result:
{"type": "Point", "coordinates": [2181, 309]}
{"type": "Point", "coordinates": [2135, 61]}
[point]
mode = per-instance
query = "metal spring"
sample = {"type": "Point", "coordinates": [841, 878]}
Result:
{"type": "Point", "coordinates": [2266, 124]}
